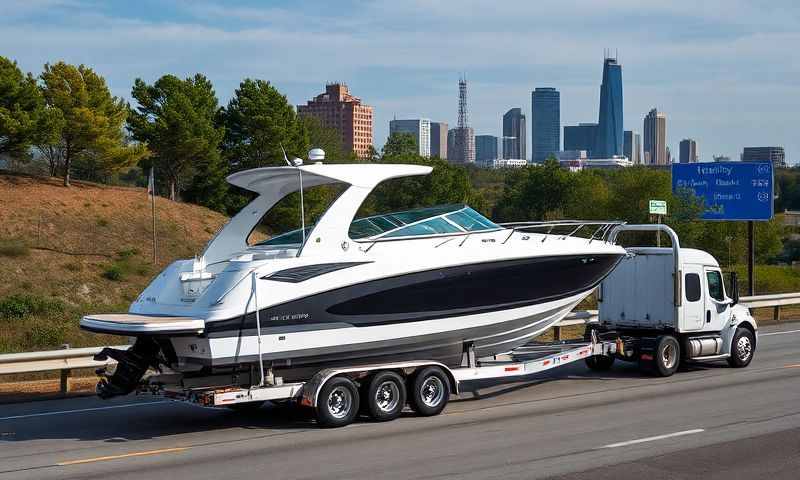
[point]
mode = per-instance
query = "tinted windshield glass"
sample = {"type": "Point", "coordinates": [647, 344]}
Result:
{"type": "Point", "coordinates": [423, 221]}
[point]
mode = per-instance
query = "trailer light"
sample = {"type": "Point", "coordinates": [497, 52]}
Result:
{"type": "Point", "coordinates": [646, 356]}
{"type": "Point", "coordinates": [512, 369]}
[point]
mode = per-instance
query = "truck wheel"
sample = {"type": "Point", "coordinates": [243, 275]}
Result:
{"type": "Point", "coordinates": [665, 357]}
{"type": "Point", "coordinates": [600, 363]}
{"type": "Point", "coordinates": [337, 402]}
{"type": "Point", "coordinates": [743, 346]}
{"type": "Point", "coordinates": [429, 391]}
{"type": "Point", "coordinates": [386, 396]}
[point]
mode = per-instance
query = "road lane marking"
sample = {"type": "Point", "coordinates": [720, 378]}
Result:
{"type": "Point", "coordinates": [80, 410]}
{"type": "Point", "coordinates": [778, 333]}
{"type": "Point", "coordinates": [124, 455]}
{"type": "Point", "coordinates": [652, 439]}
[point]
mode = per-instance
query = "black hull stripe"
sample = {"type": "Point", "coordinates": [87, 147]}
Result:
{"type": "Point", "coordinates": [435, 294]}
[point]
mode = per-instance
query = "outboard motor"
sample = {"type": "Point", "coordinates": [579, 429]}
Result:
{"type": "Point", "coordinates": [132, 364]}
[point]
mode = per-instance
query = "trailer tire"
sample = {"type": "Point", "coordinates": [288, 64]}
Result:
{"type": "Point", "coordinates": [385, 396]}
{"type": "Point", "coordinates": [600, 363]}
{"type": "Point", "coordinates": [743, 347]}
{"type": "Point", "coordinates": [337, 402]}
{"type": "Point", "coordinates": [429, 391]}
{"type": "Point", "coordinates": [666, 356]}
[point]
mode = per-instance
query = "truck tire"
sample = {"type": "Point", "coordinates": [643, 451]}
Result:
{"type": "Point", "coordinates": [429, 391]}
{"type": "Point", "coordinates": [600, 363]}
{"type": "Point", "coordinates": [660, 356]}
{"type": "Point", "coordinates": [385, 396]}
{"type": "Point", "coordinates": [337, 403]}
{"type": "Point", "coordinates": [743, 346]}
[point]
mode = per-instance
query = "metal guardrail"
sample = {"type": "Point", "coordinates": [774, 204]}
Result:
{"type": "Point", "coordinates": [71, 358]}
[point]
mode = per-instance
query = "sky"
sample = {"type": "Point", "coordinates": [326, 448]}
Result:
{"type": "Point", "coordinates": [725, 72]}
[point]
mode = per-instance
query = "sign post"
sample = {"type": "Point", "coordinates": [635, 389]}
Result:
{"type": "Point", "coordinates": [731, 191]}
{"type": "Point", "coordinates": [659, 209]}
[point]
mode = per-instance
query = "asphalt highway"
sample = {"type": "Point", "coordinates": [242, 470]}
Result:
{"type": "Point", "coordinates": [711, 422]}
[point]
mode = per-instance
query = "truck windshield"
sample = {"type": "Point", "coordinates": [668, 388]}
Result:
{"type": "Point", "coordinates": [715, 288]}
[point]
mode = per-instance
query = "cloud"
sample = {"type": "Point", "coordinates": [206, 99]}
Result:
{"type": "Point", "coordinates": [701, 62]}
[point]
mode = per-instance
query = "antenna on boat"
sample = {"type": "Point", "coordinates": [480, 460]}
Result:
{"type": "Point", "coordinates": [296, 163]}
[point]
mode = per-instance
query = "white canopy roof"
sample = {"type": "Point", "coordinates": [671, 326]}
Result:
{"type": "Point", "coordinates": [367, 175]}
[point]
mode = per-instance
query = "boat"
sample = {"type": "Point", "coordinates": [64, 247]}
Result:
{"type": "Point", "coordinates": [426, 283]}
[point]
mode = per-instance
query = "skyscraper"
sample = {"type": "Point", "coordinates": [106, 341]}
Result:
{"type": "Point", "coordinates": [655, 138]}
{"type": "Point", "coordinates": [545, 123]}
{"type": "Point", "coordinates": [633, 147]}
{"type": "Point", "coordinates": [580, 137]}
{"type": "Point", "coordinates": [439, 140]}
{"type": "Point", "coordinates": [338, 110]}
{"type": "Point", "coordinates": [462, 147]}
{"type": "Point", "coordinates": [776, 155]}
{"type": "Point", "coordinates": [514, 134]}
{"type": "Point", "coordinates": [420, 128]}
{"type": "Point", "coordinates": [485, 148]}
{"type": "Point", "coordinates": [688, 151]}
{"type": "Point", "coordinates": [609, 140]}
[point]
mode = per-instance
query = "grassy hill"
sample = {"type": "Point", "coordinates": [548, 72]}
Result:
{"type": "Point", "coordinates": [65, 252]}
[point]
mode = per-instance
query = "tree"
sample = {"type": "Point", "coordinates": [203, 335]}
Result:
{"type": "Point", "coordinates": [90, 125]}
{"type": "Point", "coordinates": [23, 119]}
{"type": "Point", "coordinates": [260, 122]}
{"type": "Point", "coordinates": [176, 119]}
{"type": "Point", "coordinates": [400, 143]}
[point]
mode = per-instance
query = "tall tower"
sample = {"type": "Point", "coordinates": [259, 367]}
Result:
{"type": "Point", "coordinates": [545, 123]}
{"type": "Point", "coordinates": [655, 138]}
{"type": "Point", "coordinates": [609, 141]}
{"type": "Point", "coordinates": [514, 134]}
{"type": "Point", "coordinates": [463, 137]}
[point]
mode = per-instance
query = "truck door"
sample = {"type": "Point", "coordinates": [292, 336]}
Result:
{"type": "Point", "coordinates": [693, 298]}
{"type": "Point", "coordinates": [716, 303]}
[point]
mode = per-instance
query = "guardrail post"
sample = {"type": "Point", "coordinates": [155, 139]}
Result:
{"type": "Point", "coordinates": [65, 373]}
{"type": "Point", "coordinates": [776, 313]}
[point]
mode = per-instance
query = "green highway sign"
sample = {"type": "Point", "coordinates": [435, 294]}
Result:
{"type": "Point", "coordinates": [658, 207]}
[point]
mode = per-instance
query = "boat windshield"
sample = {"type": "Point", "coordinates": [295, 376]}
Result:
{"type": "Point", "coordinates": [442, 219]}
{"type": "Point", "coordinates": [437, 220]}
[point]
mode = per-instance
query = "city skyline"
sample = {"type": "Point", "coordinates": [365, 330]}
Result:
{"type": "Point", "coordinates": [684, 57]}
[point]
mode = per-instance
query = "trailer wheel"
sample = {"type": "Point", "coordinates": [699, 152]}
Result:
{"type": "Point", "coordinates": [385, 396]}
{"type": "Point", "coordinates": [600, 363]}
{"type": "Point", "coordinates": [429, 391]}
{"type": "Point", "coordinates": [337, 402]}
{"type": "Point", "coordinates": [664, 358]}
{"type": "Point", "coordinates": [743, 346]}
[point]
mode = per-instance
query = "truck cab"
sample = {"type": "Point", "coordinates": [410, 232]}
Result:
{"type": "Point", "coordinates": [674, 298]}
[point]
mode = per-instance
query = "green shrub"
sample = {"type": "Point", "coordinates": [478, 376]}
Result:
{"type": "Point", "coordinates": [19, 306]}
{"type": "Point", "coordinates": [44, 334]}
{"type": "Point", "coordinates": [13, 248]}
{"type": "Point", "coordinates": [102, 222]}
{"type": "Point", "coordinates": [127, 253]}
{"type": "Point", "coordinates": [114, 272]}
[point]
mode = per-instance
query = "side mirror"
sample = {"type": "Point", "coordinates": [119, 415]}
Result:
{"type": "Point", "coordinates": [734, 288]}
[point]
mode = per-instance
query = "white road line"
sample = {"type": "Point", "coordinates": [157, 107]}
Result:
{"type": "Point", "coordinates": [778, 333]}
{"type": "Point", "coordinates": [652, 439]}
{"type": "Point", "coordinates": [79, 410]}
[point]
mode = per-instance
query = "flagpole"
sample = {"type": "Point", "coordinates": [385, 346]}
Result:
{"type": "Point", "coordinates": [152, 190]}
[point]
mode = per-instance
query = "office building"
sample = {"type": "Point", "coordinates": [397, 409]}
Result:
{"type": "Point", "coordinates": [461, 145]}
{"type": "Point", "coordinates": [632, 147]}
{"type": "Point", "coordinates": [514, 134]}
{"type": "Point", "coordinates": [439, 140]}
{"type": "Point", "coordinates": [338, 110]}
{"type": "Point", "coordinates": [688, 151]}
{"type": "Point", "coordinates": [566, 155]}
{"type": "Point", "coordinates": [485, 148]}
{"type": "Point", "coordinates": [776, 155]}
{"type": "Point", "coordinates": [420, 128]}
{"type": "Point", "coordinates": [609, 140]}
{"type": "Point", "coordinates": [580, 137]}
{"type": "Point", "coordinates": [655, 138]}
{"type": "Point", "coordinates": [545, 123]}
